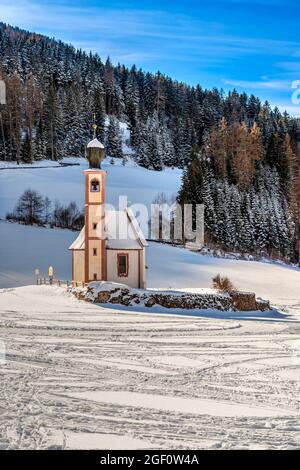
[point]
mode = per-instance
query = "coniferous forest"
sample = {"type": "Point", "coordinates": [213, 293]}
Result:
{"type": "Point", "coordinates": [241, 158]}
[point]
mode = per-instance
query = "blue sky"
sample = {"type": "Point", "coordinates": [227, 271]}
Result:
{"type": "Point", "coordinates": [252, 46]}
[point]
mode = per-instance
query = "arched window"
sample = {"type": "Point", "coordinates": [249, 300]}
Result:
{"type": "Point", "coordinates": [95, 186]}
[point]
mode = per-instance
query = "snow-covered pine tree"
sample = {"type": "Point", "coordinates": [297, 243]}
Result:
{"type": "Point", "coordinates": [114, 139]}
{"type": "Point", "coordinates": [142, 148]}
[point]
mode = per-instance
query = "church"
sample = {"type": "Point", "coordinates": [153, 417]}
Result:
{"type": "Point", "coordinates": [111, 246]}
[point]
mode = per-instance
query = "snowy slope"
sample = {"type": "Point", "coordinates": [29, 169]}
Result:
{"type": "Point", "coordinates": [67, 184]}
{"type": "Point", "coordinates": [78, 375]}
{"type": "Point", "coordinates": [169, 267]}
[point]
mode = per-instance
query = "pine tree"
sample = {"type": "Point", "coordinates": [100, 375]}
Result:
{"type": "Point", "coordinates": [154, 143]}
{"type": "Point", "coordinates": [41, 142]}
{"type": "Point", "coordinates": [168, 147]}
{"type": "Point", "coordinates": [289, 162]}
{"type": "Point", "coordinates": [142, 149]}
{"type": "Point", "coordinates": [51, 117]}
{"type": "Point", "coordinates": [114, 139]}
{"type": "Point", "coordinates": [191, 191]}
{"type": "Point", "coordinates": [98, 108]}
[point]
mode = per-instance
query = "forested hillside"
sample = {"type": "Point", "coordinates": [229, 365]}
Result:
{"type": "Point", "coordinates": [53, 91]}
{"type": "Point", "coordinates": [241, 157]}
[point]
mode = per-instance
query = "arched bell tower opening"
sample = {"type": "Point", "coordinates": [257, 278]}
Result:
{"type": "Point", "coordinates": [95, 185]}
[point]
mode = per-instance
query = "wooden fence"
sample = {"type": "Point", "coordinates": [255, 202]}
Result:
{"type": "Point", "coordinates": [58, 282]}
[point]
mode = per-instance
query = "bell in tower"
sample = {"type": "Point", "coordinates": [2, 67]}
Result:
{"type": "Point", "coordinates": [95, 152]}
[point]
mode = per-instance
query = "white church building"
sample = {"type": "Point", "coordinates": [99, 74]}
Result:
{"type": "Point", "coordinates": [111, 246]}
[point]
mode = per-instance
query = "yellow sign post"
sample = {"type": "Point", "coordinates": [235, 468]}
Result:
{"type": "Point", "coordinates": [51, 274]}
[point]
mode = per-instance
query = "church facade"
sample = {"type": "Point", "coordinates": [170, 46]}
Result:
{"type": "Point", "coordinates": [111, 246]}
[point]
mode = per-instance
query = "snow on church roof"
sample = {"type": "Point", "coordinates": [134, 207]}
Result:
{"type": "Point", "coordinates": [122, 232]}
{"type": "Point", "coordinates": [95, 144]}
{"type": "Point", "coordinates": [136, 227]}
{"type": "Point", "coordinates": [78, 244]}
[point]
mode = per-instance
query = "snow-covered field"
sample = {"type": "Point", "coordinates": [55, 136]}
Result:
{"type": "Point", "coordinates": [66, 183]}
{"type": "Point", "coordinates": [25, 248]}
{"type": "Point", "coordinates": [78, 375]}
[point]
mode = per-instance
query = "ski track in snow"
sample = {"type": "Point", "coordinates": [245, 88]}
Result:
{"type": "Point", "coordinates": [78, 375]}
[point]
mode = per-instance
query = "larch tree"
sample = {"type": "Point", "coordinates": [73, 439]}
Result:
{"type": "Point", "coordinates": [241, 164]}
{"type": "Point", "coordinates": [218, 147]}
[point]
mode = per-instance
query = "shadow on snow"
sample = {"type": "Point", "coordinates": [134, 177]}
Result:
{"type": "Point", "coordinates": [268, 316]}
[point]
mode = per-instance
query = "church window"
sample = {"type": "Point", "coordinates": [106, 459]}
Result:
{"type": "Point", "coordinates": [122, 264]}
{"type": "Point", "coordinates": [95, 251]}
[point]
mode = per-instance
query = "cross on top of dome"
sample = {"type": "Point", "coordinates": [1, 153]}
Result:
{"type": "Point", "coordinates": [95, 149]}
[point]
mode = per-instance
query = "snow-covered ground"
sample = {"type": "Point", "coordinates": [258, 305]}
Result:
{"type": "Point", "coordinates": [66, 183]}
{"type": "Point", "coordinates": [78, 375]}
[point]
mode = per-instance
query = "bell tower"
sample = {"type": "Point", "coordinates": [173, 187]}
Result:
{"type": "Point", "coordinates": [94, 236]}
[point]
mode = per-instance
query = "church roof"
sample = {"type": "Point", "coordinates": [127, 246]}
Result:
{"type": "Point", "coordinates": [95, 143]}
{"type": "Point", "coordinates": [78, 244]}
{"type": "Point", "coordinates": [122, 232]}
{"type": "Point", "coordinates": [136, 227]}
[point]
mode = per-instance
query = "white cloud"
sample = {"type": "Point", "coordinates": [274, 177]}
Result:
{"type": "Point", "coordinates": [260, 85]}
{"type": "Point", "coordinates": [292, 110]}
{"type": "Point", "coordinates": [160, 27]}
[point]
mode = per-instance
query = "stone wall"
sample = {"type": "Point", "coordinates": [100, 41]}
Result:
{"type": "Point", "coordinates": [101, 292]}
